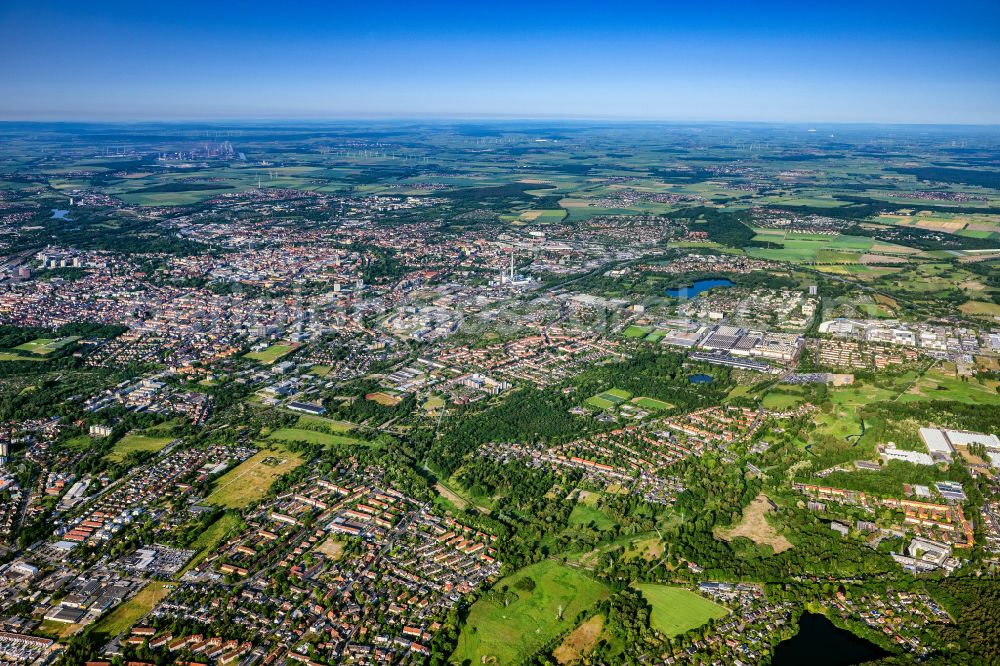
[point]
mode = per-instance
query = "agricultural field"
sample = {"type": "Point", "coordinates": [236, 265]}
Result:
{"type": "Point", "coordinates": [981, 308]}
{"type": "Point", "coordinates": [677, 609]}
{"type": "Point", "coordinates": [494, 633]}
{"type": "Point", "coordinates": [252, 478]}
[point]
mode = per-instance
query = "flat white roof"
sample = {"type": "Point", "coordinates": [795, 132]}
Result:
{"type": "Point", "coordinates": [915, 457]}
{"type": "Point", "coordinates": [960, 437]}
{"type": "Point", "coordinates": [935, 440]}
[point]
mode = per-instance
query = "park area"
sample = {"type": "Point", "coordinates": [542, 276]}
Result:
{"type": "Point", "coordinates": [499, 634]}
{"type": "Point", "coordinates": [676, 609]}
{"type": "Point", "coordinates": [251, 479]}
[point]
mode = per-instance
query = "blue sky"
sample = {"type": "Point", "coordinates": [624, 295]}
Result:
{"type": "Point", "coordinates": [908, 62]}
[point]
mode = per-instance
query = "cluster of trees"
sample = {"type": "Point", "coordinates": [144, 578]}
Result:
{"type": "Point", "coordinates": [103, 229]}
{"type": "Point", "coordinates": [528, 414]}
{"type": "Point", "coordinates": [725, 228]}
{"type": "Point", "coordinates": [974, 638]}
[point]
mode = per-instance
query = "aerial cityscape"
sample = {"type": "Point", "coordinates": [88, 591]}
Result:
{"type": "Point", "coordinates": [424, 378]}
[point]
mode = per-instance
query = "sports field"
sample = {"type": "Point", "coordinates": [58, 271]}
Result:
{"type": "Point", "coordinates": [250, 480]}
{"type": "Point", "coordinates": [651, 403]}
{"type": "Point", "coordinates": [384, 399]}
{"type": "Point", "coordinates": [43, 346]}
{"type": "Point", "coordinates": [599, 402]}
{"type": "Point", "coordinates": [500, 634]}
{"type": "Point", "coordinates": [608, 399]}
{"type": "Point", "coordinates": [637, 331]}
{"type": "Point", "coordinates": [271, 354]}
{"type": "Point", "coordinates": [676, 609]}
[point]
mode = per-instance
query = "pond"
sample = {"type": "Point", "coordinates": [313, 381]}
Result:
{"type": "Point", "coordinates": [60, 214]}
{"type": "Point", "coordinates": [701, 379]}
{"type": "Point", "coordinates": [698, 287]}
{"type": "Point", "coordinates": [822, 643]}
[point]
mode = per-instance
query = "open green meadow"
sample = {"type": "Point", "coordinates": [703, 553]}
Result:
{"type": "Point", "coordinates": [306, 420]}
{"type": "Point", "coordinates": [584, 514]}
{"type": "Point", "coordinates": [782, 397]}
{"type": "Point", "coordinates": [677, 609]}
{"type": "Point", "coordinates": [311, 436]}
{"type": "Point", "coordinates": [127, 614]}
{"type": "Point", "coordinates": [251, 479]}
{"type": "Point", "coordinates": [939, 384]}
{"type": "Point", "coordinates": [208, 540]}
{"type": "Point", "coordinates": [133, 442]}
{"type": "Point", "coordinates": [10, 356]}
{"type": "Point", "coordinates": [806, 248]}
{"type": "Point", "coordinates": [498, 634]}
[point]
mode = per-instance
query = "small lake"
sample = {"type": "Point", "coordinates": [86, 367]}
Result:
{"type": "Point", "coordinates": [60, 214]}
{"type": "Point", "coordinates": [822, 643]}
{"type": "Point", "coordinates": [698, 287]}
{"type": "Point", "coordinates": [701, 379]}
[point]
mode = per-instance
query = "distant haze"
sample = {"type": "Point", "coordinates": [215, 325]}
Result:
{"type": "Point", "coordinates": [898, 62]}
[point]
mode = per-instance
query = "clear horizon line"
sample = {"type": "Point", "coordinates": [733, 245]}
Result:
{"type": "Point", "coordinates": [362, 117]}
